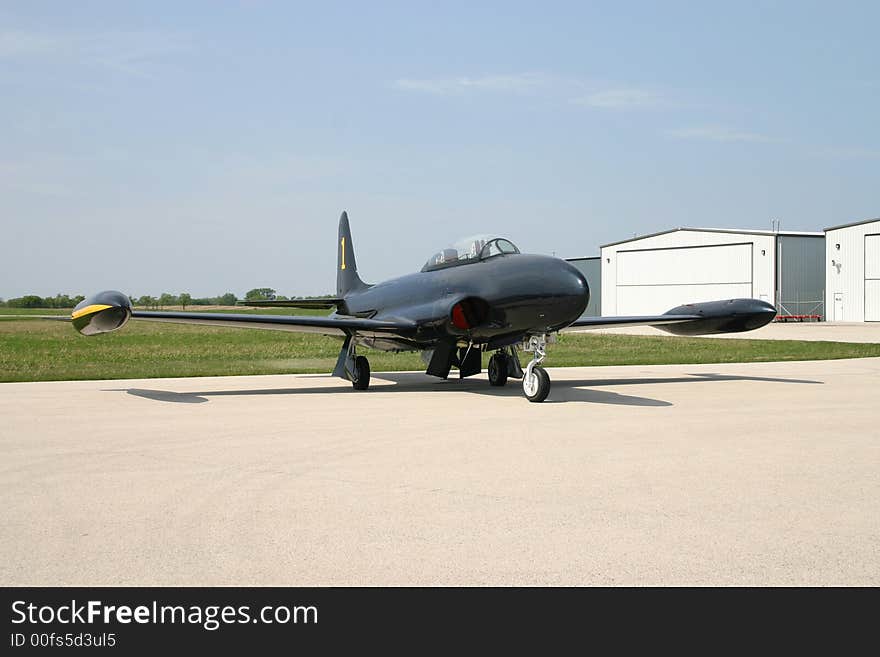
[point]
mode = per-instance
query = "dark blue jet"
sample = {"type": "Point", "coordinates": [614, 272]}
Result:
{"type": "Point", "coordinates": [480, 295]}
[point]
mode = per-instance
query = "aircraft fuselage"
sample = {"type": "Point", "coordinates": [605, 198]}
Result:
{"type": "Point", "coordinates": [492, 302]}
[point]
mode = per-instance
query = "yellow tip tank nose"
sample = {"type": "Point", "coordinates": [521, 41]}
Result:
{"type": "Point", "coordinates": [101, 313]}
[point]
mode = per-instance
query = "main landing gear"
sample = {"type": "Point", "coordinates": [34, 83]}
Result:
{"type": "Point", "coordinates": [352, 367]}
{"type": "Point", "coordinates": [361, 379]}
{"type": "Point", "coordinates": [536, 381]}
{"type": "Point", "coordinates": [498, 365]}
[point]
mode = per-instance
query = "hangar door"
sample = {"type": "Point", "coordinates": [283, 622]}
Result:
{"type": "Point", "coordinates": [652, 281]}
{"type": "Point", "coordinates": [872, 278]}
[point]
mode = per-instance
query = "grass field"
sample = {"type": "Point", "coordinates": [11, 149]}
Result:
{"type": "Point", "coordinates": [45, 350]}
{"type": "Point", "coordinates": [33, 311]}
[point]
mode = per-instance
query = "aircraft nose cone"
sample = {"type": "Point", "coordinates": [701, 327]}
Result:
{"type": "Point", "coordinates": [760, 313]}
{"type": "Point", "coordinates": [573, 289]}
{"type": "Point", "coordinates": [575, 281]}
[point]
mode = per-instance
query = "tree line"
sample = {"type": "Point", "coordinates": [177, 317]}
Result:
{"type": "Point", "coordinates": [183, 299]}
{"type": "Point", "coordinates": [34, 301]}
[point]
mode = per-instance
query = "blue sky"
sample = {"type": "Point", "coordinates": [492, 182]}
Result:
{"type": "Point", "coordinates": [207, 147]}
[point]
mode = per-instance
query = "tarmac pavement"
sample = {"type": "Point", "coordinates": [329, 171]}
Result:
{"type": "Point", "coordinates": [759, 473]}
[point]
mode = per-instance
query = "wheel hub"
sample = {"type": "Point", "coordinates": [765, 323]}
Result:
{"type": "Point", "coordinates": [530, 383]}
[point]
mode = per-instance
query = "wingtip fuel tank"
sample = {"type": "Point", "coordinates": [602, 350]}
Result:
{"type": "Point", "coordinates": [101, 313]}
{"type": "Point", "coordinates": [730, 316]}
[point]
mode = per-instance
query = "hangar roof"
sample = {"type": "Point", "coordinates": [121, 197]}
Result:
{"type": "Point", "coordinates": [719, 230]}
{"type": "Point", "coordinates": [854, 223]}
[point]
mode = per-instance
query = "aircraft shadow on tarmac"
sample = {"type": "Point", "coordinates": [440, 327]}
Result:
{"type": "Point", "coordinates": [581, 390]}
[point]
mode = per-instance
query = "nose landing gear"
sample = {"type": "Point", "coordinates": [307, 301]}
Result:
{"type": "Point", "coordinates": [536, 381]}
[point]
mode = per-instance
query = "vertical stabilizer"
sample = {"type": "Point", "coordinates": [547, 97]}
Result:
{"type": "Point", "coordinates": [347, 279]}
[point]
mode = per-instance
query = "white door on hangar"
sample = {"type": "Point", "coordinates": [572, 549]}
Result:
{"type": "Point", "coordinates": [838, 307]}
{"type": "Point", "coordinates": [652, 281]}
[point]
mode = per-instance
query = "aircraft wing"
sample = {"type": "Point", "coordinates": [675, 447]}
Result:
{"type": "Point", "coordinates": [320, 303]}
{"type": "Point", "coordinates": [110, 310]}
{"type": "Point", "coordinates": [332, 325]}
{"type": "Point", "coordinates": [710, 317]}
{"type": "Point", "coordinates": [635, 320]}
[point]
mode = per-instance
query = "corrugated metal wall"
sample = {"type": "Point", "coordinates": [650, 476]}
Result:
{"type": "Point", "coordinates": [872, 278]}
{"type": "Point", "coordinates": [851, 296]}
{"type": "Point", "coordinates": [800, 276]}
{"type": "Point", "coordinates": [592, 269]}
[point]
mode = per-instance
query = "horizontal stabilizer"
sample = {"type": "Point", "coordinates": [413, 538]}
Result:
{"type": "Point", "coordinates": [318, 303]}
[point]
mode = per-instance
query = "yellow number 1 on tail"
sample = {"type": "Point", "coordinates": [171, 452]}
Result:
{"type": "Point", "coordinates": [342, 246]}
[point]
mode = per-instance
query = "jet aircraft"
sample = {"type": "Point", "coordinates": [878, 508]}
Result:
{"type": "Point", "coordinates": [481, 295]}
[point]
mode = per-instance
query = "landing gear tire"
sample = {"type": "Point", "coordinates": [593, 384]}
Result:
{"type": "Point", "coordinates": [498, 370]}
{"type": "Point", "coordinates": [361, 379]}
{"type": "Point", "coordinates": [536, 384]}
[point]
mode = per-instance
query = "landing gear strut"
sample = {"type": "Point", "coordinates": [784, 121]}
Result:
{"type": "Point", "coordinates": [351, 366]}
{"type": "Point", "coordinates": [536, 381]}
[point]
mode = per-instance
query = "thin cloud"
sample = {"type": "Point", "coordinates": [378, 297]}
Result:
{"type": "Point", "coordinates": [624, 99]}
{"type": "Point", "coordinates": [719, 134]}
{"type": "Point", "coordinates": [122, 51]}
{"type": "Point", "coordinates": [518, 83]}
{"type": "Point", "coordinates": [27, 44]}
{"type": "Point", "coordinates": [564, 89]}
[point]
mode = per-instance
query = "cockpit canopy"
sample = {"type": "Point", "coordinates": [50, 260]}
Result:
{"type": "Point", "coordinates": [468, 250]}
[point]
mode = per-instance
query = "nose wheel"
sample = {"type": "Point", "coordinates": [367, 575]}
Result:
{"type": "Point", "coordinates": [536, 381]}
{"type": "Point", "coordinates": [536, 385]}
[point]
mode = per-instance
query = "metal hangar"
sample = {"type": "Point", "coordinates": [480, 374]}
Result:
{"type": "Point", "coordinates": [852, 272]}
{"type": "Point", "coordinates": [653, 273]}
